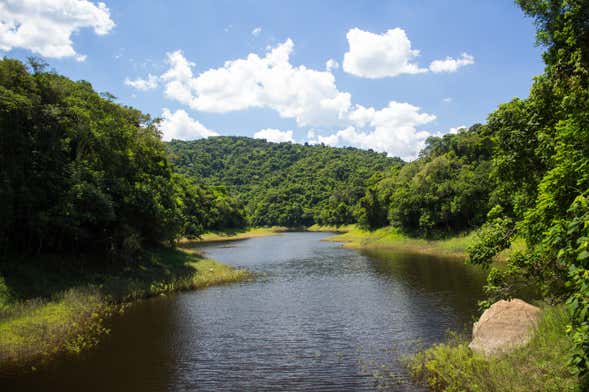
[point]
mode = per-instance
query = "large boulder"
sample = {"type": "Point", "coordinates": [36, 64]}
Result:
{"type": "Point", "coordinates": [505, 326]}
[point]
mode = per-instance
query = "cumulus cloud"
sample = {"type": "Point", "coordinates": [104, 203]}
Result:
{"type": "Point", "coordinates": [329, 140]}
{"type": "Point", "coordinates": [149, 83]}
{"type": "Point", "coordinates": [257, 31]}
{"type": "Point", "coordinates": [331, 64]}
{"type": "Point", "coordinates": [390, 54]}
{"type": "Point", "coordinates": [308, 96]}
{"type": "Point", "coordinates": [450, 64]}
{"type": "Point", "coordinates": [380, 55]}
{"type": "Point", "coordinates": [274, 135]}
{"type": "Point", "coordinates": [393, 129]}
{"type": "Point", "coordinates": [46, 26]}
{"type": "Point", "coordinates": [447, 100]}
{"type": "Point", "coordinates": [179, 125]}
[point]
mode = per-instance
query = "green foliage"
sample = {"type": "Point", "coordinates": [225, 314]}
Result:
{"type": "Point", "coordinates": [80, 173]}
{"type": "Point", "coordinates": [282, 184]}
{"type": "Point", "coordinates": [445, 191]}
{"type": "Point", "coordinates": [33, 332]}
{"type": "Point", "coordinates": [571, 241]}
{"type": "Point", "coordinates": [540, 366]}
{"type": "Point", "coordinates": [492, 238]}
{"type": "Point", "coordinates": [372, 211]}
{"type": "Point", "coordinates": [541, 171]}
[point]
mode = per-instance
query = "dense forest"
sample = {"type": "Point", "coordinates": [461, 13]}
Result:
{"type": "Point", "coordinates": [80, 173]}
{"type": "Point", "coordinates": [283, 184]}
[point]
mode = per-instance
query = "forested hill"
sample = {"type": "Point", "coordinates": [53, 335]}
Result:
{"type": "Point", "coordinates": [283, 184]}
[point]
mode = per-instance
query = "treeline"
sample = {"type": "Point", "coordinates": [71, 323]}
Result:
{"type": "Point", "coordinates": [283, 184]}
{"type": "Point", "coordinates": [446, 190]}
{"type": "Point", "coordinates": [80, 173]}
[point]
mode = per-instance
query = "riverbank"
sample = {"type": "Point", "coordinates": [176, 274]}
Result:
{"type": "Point", "coordinates": [240, 234]}
{"type": "Point", "coordinates": [542, 365]}
{"type": "Point", "coordinates": [47, 312]}
{"type": "Point", "coordinates": [391, 238]}
{"type": "Point", "coordinates": [354, 237]}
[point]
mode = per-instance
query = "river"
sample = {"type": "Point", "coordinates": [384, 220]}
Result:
{"type": "Point", "coordinates": [318, 317]}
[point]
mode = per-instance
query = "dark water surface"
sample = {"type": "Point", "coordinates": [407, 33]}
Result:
{"type": "Point", "coordinates": [319, 317]}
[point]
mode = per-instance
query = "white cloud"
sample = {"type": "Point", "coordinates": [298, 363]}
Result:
{"type": "Point", "coordinates": [394, 130]}
{"type": "Point", "coordinates": [457, 129]}
{"type": "Point", "coordinates": [331, 64]}
{"type": "Point", "coordinates": [179, 125]}
{"type": "Point", "coordinates": [143, 84]}
{"type": "Point", "coordinates": [380, 55]}
{"type": "Point", "coordinates": [274, 135]}
{"type": "Point", "coordinates": [447, 100]}
{"type": "Point", "coordinates": [450, 64]}
{"type": "Point", "coordinates": [330, 140]}
{"type": "Point", "coordinates": [46, 26]}
{"type": "Point", "coordinates": [309, 96]}
{"type": "Point", "coordinates": [256, 31]}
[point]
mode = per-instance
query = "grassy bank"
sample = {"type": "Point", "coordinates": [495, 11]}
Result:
{"type": "Point", "coordinates": [331, 229]}
{"type": "Point", "coordinates": [542, 365]}
{"type": "Point", "coordinates": [389, 237]}
{"type": "Point", "coordinates": [240, 234]}
{"type": "Point", "coordinates": [60, 310]}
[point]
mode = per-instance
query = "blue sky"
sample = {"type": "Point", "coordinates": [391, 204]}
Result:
{"type": "Point", "coordinates": [385, 96]}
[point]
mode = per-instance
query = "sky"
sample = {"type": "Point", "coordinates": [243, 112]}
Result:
{"type": "Point", "coordinates": [381, 75]}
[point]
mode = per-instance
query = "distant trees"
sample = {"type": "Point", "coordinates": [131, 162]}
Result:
{"type": "Point", "coordinates": [283, 183]}
{"type": "Point", "coordinates": [445, 191]}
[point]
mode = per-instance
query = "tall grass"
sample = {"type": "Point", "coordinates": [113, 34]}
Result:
{"type": "Point", "coordinates": [542, 365]}
{"type": "Point", "coordinates": [34, 330]}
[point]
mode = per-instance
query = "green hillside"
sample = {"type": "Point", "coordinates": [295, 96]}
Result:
{"type": "Point", "coordinates": [283, 183]}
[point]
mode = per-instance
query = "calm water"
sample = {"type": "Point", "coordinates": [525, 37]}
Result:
{"type": "Point", "coordinates": [319, 317]}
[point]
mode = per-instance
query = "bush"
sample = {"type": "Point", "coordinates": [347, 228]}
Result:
{"type": "Point", "coordinates": [542, 365]}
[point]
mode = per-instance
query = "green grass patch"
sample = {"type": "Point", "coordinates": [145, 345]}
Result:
{"type": "Point", "coordinates": [48, 310]}
{"type": "Point", "coordinates": [35, 331]}
{"type": "Point", "coordinates": [542, 365]}
{"type": "Point", "coordinates": [390, 237]}
{"type": "Point", "coordinates": [331, 229]}
{"type": "Point", "coordinates": [238, 234]}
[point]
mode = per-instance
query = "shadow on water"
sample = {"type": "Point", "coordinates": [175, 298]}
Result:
{"type": "Point", "coordinates": [321, 317]}
{"type": "Point", "coordinates": [446, 278]}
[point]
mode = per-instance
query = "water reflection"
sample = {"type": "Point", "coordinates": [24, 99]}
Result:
{"type": "Point", "coordinates": [320, 318]}
{"type": "Point", "coordinates": [446, 279]}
